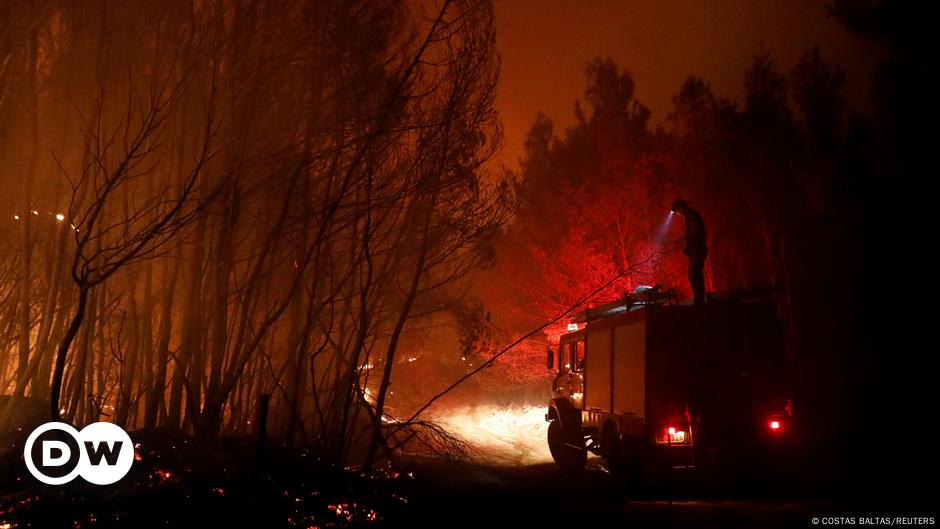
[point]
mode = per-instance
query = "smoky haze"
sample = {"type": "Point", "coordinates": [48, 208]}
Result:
{"type": "Point", "coordinates": [544, 46]}
{"type": "Point", "coordinates": [205, 203]}
{"type": "Point", "coordinates": [332, 210]}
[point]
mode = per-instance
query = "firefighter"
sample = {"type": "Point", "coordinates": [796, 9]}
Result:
{"type": "Point", "coordinates": [695, 247]}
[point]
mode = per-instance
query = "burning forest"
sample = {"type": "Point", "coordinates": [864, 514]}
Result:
{"type": "Point", "coordinates": [291, 263]}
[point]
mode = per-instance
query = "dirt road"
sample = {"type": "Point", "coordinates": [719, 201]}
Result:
{"type": "Point", "coordinates": [541, 496]}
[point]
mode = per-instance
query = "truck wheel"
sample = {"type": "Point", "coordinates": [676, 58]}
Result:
{"type": "Point", "coordinates": [613, 452]}
{"type": "Point", "coordinates": [567, 457]}
{"type": "Point", "coordinates": [623, 461]}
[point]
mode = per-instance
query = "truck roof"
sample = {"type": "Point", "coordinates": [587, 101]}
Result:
{"type": "Point", "coordinates": [628, 303]}
{"type": "Point", "coordinates": [647, 296]}
{"type": "Point", "coordinates": [629, 308]}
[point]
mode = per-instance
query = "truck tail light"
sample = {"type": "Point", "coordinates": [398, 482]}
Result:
{"type": "Point", "coordinates": [673, 435]}
{"type": "Point", "coordinates": [776, 424]}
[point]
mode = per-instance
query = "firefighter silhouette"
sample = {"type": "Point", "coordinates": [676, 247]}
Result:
{"type": "Point", "coordinates": [695, 247]}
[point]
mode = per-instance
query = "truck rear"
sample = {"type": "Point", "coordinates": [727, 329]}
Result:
{"type": "Point", "coordinates": [666, 386]}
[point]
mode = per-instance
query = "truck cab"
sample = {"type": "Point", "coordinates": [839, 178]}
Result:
{"type": "Point", "coordinates": [661, 385]}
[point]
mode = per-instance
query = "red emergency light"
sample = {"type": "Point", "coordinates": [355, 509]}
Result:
{"type": "Point", "coordinates": [672, 436]}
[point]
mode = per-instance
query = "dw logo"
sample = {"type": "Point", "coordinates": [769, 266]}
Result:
{"type": "Point", "coordinates": [101, 453]}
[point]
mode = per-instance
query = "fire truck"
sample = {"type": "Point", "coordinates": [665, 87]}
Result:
{"type": "Point", "coordinates": [649, 384]}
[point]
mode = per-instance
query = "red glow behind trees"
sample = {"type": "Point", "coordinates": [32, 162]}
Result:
{"type": "Point", "coordinates": [593, 197]}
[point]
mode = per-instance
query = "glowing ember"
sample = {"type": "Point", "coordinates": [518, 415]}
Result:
{"type": "Point", "coordinates": [512, 435]}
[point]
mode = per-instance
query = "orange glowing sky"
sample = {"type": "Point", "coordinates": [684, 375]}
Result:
{"type": "Point", "coordinates": [545, 44]}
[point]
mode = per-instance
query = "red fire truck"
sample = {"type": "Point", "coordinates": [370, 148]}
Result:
{"type": "Point", "coordinates": [650, 384]}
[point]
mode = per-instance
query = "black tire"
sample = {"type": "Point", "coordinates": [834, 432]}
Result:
{"type": "Point", "coordinates": [623, 461]}
{"type": "Point", "coordinates": [568, 458]}
{"type": "Point", "coordinates": [613, 453]}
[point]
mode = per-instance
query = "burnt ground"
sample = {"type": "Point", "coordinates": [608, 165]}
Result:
{"type": "Point", "coordinates": [179, 482]}
{"type": "Point", "coordinates": [543, 496]}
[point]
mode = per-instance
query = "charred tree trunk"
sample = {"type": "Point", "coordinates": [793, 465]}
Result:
{"type": "Point", "coordinates": [155, 392]}
{"type": "Point", "coordinates": [58, 372]}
